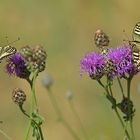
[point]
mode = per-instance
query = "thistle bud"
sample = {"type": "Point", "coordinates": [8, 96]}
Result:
{"type": "Point", "coordinates": [40, 65]}
{"type": "Point", "coordinates": [109, 68]}
{"type": "Point", "coordinates": [101, 39]}
{"type": "Point", "coordinates": [26, 52]}
{"type": "Point", "coordinates": [39, 58]}
{"type": "Point", "coordinates": [18, 96]}
{"type": "Point", "coordinates": [39, 53]}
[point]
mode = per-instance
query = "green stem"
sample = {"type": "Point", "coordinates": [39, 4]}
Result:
{"type": "Point", "coordinates": [33, 90]}
{"type": "Point", "coordinates": [33, 104]}
{"type": "Point", "coordinates": [99, 81]}
{"type": "Point", "coordinates": [39, 127]}
{"type": "Point", "coordinates": [115, 109]}
{"type": "Point", "coordinates": [73, 134]}
{"type": "Point", "coordinates": [128, 87]}
{"type": "Point", "coordinates": [120, 84]}
{"type": "Point", "coordinates": [31, 109]}
{"type": "Point", "coordinates": [60, 116]}
{"type": "Point", "coordinates": [129, 98]}
{"type": "Point", "coordinates": [55, 105]}
{"type": "Point", "coordinates": [132, 130]}
{"type": "Point", "coordinates": [28, 131]}
{"type": "Point", "coordinates": [41, 134]}
{"type": "Point", "coordinates": [110, 89]}
{"type": "Point", "coordinates": [4, 134]}
{"type": "Point", "coordinates": [78, 119]}
{"type": "Point", "coordinates": [121, 121]}
{"type": "Point", "coordinates": [118, 115]}
{"type": "Point", "coordinates": [103, 86]}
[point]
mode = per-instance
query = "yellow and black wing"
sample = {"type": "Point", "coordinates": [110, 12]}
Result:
{"type": "Point", "coordinates": [7, 51]}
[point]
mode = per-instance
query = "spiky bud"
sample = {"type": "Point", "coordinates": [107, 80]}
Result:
{"type": "Point", "coordinates": [39, 53]}
{"type": "Point", "coordinates": [109, 68]}
{"type": "Point", "coordinates": [26, 52]}
{"type": "Point", "coordinates": [18, 96]}
{"type": "Point", "coordinates": [39, 58]}
{"type": "Point", "coordinates": [101, 39]}
{"type": "Point", "coordinates": [39, 65]}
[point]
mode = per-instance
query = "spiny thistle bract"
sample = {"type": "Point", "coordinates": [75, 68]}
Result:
{"type": "Point", "coordinates": [122, 65]}
{"type": "Point", "coordinates": [101, 39]}
{"type": "Point", "coordinates": [18, 96]}
{"type": "Point", "coordinates": [35, 58]}
{"type": "Point", "coordinates": [26, 61]}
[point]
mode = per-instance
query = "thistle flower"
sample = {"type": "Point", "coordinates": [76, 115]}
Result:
{"type": "Point", "coordinates": [17, 66]}
{"type": "Point", "coordinates": [93, 63]}
{"type": "Point", "coordinates": [18, 96]}
{"type": "Point", "coordinates": [122, 59]}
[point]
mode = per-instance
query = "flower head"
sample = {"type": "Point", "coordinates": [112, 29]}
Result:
{"type": "Point", "coordinates": [122, 58]}
{"type": "Point", "coordinates": [18, 96]}
{"type": "Point", "coordinates": [35, 58]}
{"type": "Point", "coordinates": [26, 52]}
{"type": "Point", "coordinates": [17, 66]}
{"type": "Point", "coordinates": [101, 39]}
{"type": "Point", "coordinates": [93, 63]}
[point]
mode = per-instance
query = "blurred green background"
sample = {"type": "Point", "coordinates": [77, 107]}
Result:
{"type": "Point", "coordinates": [65, 28]}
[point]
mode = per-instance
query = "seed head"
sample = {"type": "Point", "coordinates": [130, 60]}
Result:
{"type": "Point", "coordinates": [101, 39]}
{"type": "Point", "coordinates": [18, 96]}
{"type": "Point", "coordinates": [40, 65]}
{"type": "Point", "coordinates": [39, 54]}
{"type": "Point", "coordinates": [26, 52]}
{"type": "Point", "coordinates": [39, 58]}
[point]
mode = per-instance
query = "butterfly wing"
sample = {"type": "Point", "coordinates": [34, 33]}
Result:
{"type": "Point", "coordinates": [136, 33]}
{"type": "Point", "coordinates": [7, 51]}
{"type": "Point", "coordinates": [136, 56]}
{"type": "Point", "coordinates": [136, 45]}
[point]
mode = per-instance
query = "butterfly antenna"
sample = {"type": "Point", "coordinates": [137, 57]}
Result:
{"type": "Point", "coordinates": [14, 41]}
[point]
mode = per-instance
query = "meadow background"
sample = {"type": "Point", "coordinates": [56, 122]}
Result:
{"type": "Point", "coordinates": [65, 28]}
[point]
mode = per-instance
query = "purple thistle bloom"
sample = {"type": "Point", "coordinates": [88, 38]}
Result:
{"type": "Point", "coordinates": [122, 59]}
{"type": "Point", "coordinates": [93, 63]}
{"type": "Point", "coordinates": [17, 66]}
